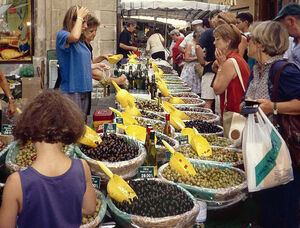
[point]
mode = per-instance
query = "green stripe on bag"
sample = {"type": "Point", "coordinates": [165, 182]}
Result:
{"type": "Point", "coordinates": [266, 165]}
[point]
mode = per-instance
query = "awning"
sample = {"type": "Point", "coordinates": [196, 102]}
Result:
{"type": "Point", "coordinates": [183, 10]}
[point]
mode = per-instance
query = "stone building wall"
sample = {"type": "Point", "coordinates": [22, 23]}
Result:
{"type": "Point", "coordinates": [48, 19]}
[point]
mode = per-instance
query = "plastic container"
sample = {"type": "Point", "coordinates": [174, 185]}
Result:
{"type": "Point", "coordinates": [102, 116]}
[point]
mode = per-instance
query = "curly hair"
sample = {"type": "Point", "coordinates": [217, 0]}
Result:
{"type": "Point", "coordinates": [52, 117]}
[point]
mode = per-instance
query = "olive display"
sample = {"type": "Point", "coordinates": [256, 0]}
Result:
{"type": "Point", "coordinates": [200, 116]}
{"type": "Point", "coordinates": [156, 199]}
{"type": "Point", "coordinates": [165, 69]}
{"type": "Point", "coordinates": [195, 109]}
{"type": "Point", "coordinates": [186, 94]}
{"type": "Point", "coordinates": [218, 154]}
{"type": "Point", "coordinates": [27, 155]}
{"type": "Point", "coordinates": [214, 140]}
{"type": "Point", "coordinates": [203, 126]}
{"type": "Point", "coordinates": [156, 126]}
{"type": "Point", "coordinates": [187, 100]}
{"type": "Point", "coordinates": [152, 116]}
{"type": "Point", "coordinates": [113, 148]}
{"type": "Point", "coordinates": [89, 218]}
{"type": "Point", "coordinates": [159, 141]}
{"type": "Point", "coordinates": [150, 105]}
{"type": "Point", "coordinates": [206, 177]}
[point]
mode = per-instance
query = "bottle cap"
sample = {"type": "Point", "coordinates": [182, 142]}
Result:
{"type": "Point", "coordinates": [149, 130]}
{"type": "Point", "coordinates": [152, 135]}
{"type": "Point", "coordinates": [167, 116]}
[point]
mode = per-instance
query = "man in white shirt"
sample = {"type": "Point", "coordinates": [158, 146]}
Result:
{"type": "Point", "coordinates": [195, 25]}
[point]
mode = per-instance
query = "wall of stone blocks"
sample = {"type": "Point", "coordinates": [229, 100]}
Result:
{"type": "Point", "coordinates": [48, 19]}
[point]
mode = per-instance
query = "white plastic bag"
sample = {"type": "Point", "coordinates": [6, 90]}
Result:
{"type": "Point", "coordinates": [267, 159]}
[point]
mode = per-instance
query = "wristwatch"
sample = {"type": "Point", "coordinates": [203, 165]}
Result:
{"type": "Point", "coordinates": [275, 110]}
{"type": "Point", "coordinates": [10, 98]}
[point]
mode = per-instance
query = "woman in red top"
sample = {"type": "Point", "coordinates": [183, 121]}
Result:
{"type": "Point", "coordinates": [177, 55]}
{"type": "Point", "coordinates": [227, 40]}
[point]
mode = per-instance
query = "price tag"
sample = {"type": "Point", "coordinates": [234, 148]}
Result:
{"type": "Point", "coordinates": [96, 182]}
{"type": "Point", "coordinates": [168, 155]}
{"type": "Point", "coordinates": [110, 128]}
{"type": "Point", "coordinates": [119, 120]}
{"type": "Point", "coordinates": [145, 172]}
{"type": "Point", "coordinates": [183, 139]}
{"type": "Point", "coordinates": [6, 129]}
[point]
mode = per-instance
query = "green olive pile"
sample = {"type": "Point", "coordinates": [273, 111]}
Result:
{"type": "Point", "coordinates": [89, 218]}
{"type": "Point", "coordinates": [113, 148]}
{"type": "Point", "coordinates": [187, 100]}
{"type": "Point", "coordinates": [200, 116]}
{"type": "Point", "coordinates": [27, 155]}
{"type": "Point", "coordinates": [152, 116]}
{"type": "Point", "coordinates": [195, 109]}
{"type": "Point", "coordinates": [214, 140]}
{"type": "Point", "coordinates": [218, 154]}
{"type": "Point", "coordinates": [203, 126]}
{"type": "Point", "coordinates": [159, 141]}
{"type": "Point", "coordinates": [150, 105]}
{"type": "Point", "coordinates": [156, 199]}
{"type": "Point", "coordinates": [156, 126]}
{"type": "Point", "coordinates": [2, 146]}
{"type": "Point", "coordinates": [206, 177]}
{"type": "Point", "coordinates": [186, 94]}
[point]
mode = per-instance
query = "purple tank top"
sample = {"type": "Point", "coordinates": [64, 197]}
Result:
{"type": "Point", "coordinates": [52, 202]}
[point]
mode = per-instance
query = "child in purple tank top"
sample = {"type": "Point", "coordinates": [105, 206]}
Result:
{"type": "Point", "coordinates": [55, 190]}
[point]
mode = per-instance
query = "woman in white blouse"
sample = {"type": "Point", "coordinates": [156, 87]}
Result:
{"type": "Point", "coordinates": [155, 45]}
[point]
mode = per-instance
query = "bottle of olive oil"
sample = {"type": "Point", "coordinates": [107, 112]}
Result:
{"type": "Point", "coordinates": [147, 140]}
{"type": "Point", "coordinates": [151, 153]}
{"type": "Point", "coordinates": [167, 128]}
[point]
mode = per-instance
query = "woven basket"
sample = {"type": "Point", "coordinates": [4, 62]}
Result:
{"type": "Point", "coordinates": [209, 194]}
{"type": "Point", "coordinates": [100, 214]}
{"type": "Point", "coordinates": [125, 169]}
{"type": "Point", "coordinates": [13, 150]}
{"type": "Point", "coordinates": [183, 220]}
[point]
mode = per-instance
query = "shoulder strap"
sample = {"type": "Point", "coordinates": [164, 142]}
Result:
{"type": "Point", "coordinates": [238, 71]}
{"type": "Point", "coordinates": [276, 79]}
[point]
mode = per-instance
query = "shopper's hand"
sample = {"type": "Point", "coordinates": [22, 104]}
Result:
{"type": "Point", "coordinates": [135, 49]}
{"type": "Point", "coordinates": [82, 12]}
{"type": "Point", "coordinates": [106, 56]}
{"type": "Point", "coordinates": [121, 80]}
{"type": "Point", "coordinates": [100, 66]}
{"type": "Point", "coordinates": [11, 109]}
{"type": "Point", "coordinates": [220, 57]}
{"type": "Point", "coordinates": [266, 105]}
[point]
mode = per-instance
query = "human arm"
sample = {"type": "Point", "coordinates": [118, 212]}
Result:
{"type": "Point", "coordinates": [148, 46]}
{"type": "Point", "coordinates": [243, 46]}
{"type": "Point", "coordinates": [291, 107]}
{"type": "Point", "coordinates": [100, 58]}
{"type": "Point", "coordinates": [97, 75]}
{"type": "Point", "coordinates": [119, 80]}
{"type": "Point", "coordinates": [225, 73]}
{"type": "Point", "coordinates": [75, 34]}
{"type": "Point", "coordinates": [100, 66]}
{"type": "Point", "coordinates": [11, 103]}
{"type": "Point", "coordinates": [11, 201]}
{"type": "Point", "coordinates": [188, 52]}
{"type": "Point", "coordinates": [126, 47]}
{"type": "Point", "coordinates": [89, 198]}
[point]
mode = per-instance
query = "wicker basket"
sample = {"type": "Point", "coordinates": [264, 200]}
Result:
{"type": "Point", "coordinates": [209, 194]}
{"type": "Point", "coordinates": [183, 220]}
{"type": "Point", "coordinates": [13, 150]}
{"type": "Point", "coordinates": [100, 214]}
{"type": "Point", "coordinates": [125, 169]}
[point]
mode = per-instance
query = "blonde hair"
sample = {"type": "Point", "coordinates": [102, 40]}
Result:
{"type": "Point", "coordinates": [273, 37]}
{"type": "Point", "coordinates": [229, 32]}
{"type": "Point", "coordinates": [70, 18]}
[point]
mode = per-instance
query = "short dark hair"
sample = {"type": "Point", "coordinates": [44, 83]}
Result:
{"type": "Point", "coordinates": [130, 22]}
{"type": "Point", "coordinates": [51, 117]}
{"type": "Point", "coordinates": [206, 23]}
{"type": "Point", "coordinates": [245, 17]}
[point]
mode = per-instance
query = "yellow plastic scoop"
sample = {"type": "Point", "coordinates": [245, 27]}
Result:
{"type": "Point", "coordinates": [132, 110]}
{"type": "Point", "coordinates": [176, 121]}
{"type": "Point", "coordinates": [154, 67]}
{"type": "Point", "coordinates": [179, 162]}
{"type": "Point", "coordinates": [175, 100]}
{"type": "Point", "coordinates": [136, 131]}
{"type": "Point", "coordinates": [160, 72]}
{"type": "Point", "coordinates": [90, 138]}
{"type": "Point", "coordinates": [189, 132]}
{"type": "Point", "coordinates": [163, 88]}
{"type": "Point", "coordinates": [200, 145]}
{"type": "Point", "coordinates": [122, 95]}
{"type": "Point", "coordinates": [177, 112]}
{"type": "Point", "coordinates": [127, 119]}
{"type": "Point", "coordinates": [115, 58]}
{"type": "Point", "coordinates": [117, 188]}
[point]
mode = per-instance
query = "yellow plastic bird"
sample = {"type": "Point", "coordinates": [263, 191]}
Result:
{"type": "Point", "coordinates": [127, 118]}
{"type": "Point", "coordinates": [132, 110]}
{"type": "Point", "coordinates": [90, 138]}
{"type": "Point", "coordinates": [114, 58]}
{"type": "Point", "coordinates": [122, 95]}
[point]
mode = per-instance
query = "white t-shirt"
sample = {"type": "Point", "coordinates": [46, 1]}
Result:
{"type": "Point", "coordinates": [154, 43]}
{"type": "Point", "coordinates": [188, 38]}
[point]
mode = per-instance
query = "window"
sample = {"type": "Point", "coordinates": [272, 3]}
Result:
{"type": "Point", "coordinates": [16, 43]}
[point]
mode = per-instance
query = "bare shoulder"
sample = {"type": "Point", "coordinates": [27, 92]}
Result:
{"type": "Point", "coordinates": [13, 179]}
{"type": "Point", "coordinates": [85, 164]}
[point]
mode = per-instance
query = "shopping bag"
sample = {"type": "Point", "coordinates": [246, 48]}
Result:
{"type": "Point", "coordinates": [233, 124]}
{"type": "Point", "coordinates": [266, 157]}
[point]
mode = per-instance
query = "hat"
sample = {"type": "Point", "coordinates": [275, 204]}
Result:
{"type": "Point", "coordinates": [197, 22]}
{"type": "Point", "coordinates": [174, 32]}
{"type": "Point", "coordinates": [290, 9]}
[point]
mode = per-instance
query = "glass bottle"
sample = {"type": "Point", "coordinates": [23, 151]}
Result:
{"type": "Point", "coordinates": [151, 153]}
{"type": "Point", "coordinates": [167, 128]}
{"type": "Point", "coordinates": [130, 78]}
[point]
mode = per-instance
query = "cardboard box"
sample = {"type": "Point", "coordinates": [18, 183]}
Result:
{"type": "Point", "coordinates": [31, 87]}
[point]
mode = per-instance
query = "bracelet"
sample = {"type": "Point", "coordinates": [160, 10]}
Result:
{"type": "Point", "coordinates": [80, 18]}
{"type": "Point", "coordinates": [275, 110]}
{"type": "Point", "coordinates": [219, 69]}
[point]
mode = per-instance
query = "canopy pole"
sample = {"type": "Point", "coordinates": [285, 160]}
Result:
{"type": "Point", "coordinates": [166, 30]}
